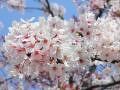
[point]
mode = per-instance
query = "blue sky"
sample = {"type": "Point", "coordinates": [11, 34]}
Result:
{"type": "Point", "coordinates": [7, 16]}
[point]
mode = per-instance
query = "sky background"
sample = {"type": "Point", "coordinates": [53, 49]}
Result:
{"type": "Point", "coordinates": [7, 16]}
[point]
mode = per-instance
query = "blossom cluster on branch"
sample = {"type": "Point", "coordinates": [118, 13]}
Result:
{"type": "Point", "coordinates": [64, 54]}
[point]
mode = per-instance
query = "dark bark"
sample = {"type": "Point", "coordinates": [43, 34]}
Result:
{"type": "Point", "coordinates": [103, 85]}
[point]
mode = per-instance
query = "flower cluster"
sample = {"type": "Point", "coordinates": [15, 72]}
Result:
{"type": "Point", "coordinates": [54, 51]}
{"type": "Point", "coordinates": [46, 46]}
{"type": "Point", "coordinates": [104, 39]}
{"type": "Point", "coordinates": [96, 4]}
{"type": "Point", "coordinates": [115, 7]}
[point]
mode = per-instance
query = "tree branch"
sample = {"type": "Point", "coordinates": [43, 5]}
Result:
{"type": "Point", "coordinates": [103, 85]}
{"type": "Point", "coordinates": [33, 8]}
{"type": "Point", "coordinates": [48, 8]}
{"type": "Point", "coordinates": [2, 82]}
{"type": "Point", "coordinates": [99, 59]}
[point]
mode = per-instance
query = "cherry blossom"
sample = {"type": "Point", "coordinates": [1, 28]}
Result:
{"type": "Point", "coordinates": [65, 54]}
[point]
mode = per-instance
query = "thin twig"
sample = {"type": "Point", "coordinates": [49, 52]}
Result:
{"type": "Point", "coordinates": [99, 59]}
{"type": "Point", "coordinates": [33, 8]}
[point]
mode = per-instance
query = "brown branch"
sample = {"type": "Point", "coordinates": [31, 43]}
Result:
{"type": "Point", "coordinates": [103, 85]}
{"type": "Point", "coordinates": [46, 9]}
{"type": "Point", "coordinates": [2, 82]}
{"type": "Point", "coordinates": [49, 8]}
{"type": "Point", "coordinates": [106, 61]}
